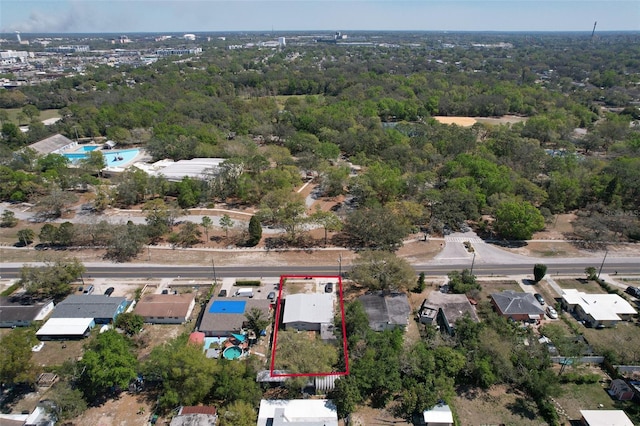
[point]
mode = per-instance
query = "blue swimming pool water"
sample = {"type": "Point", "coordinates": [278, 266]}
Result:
{"type": "Point", "coordinates": [88, 148]}
{"type": "Point", "coordinates": [232, 352]}
{"type": "Point", "coordinates": [117, 158]}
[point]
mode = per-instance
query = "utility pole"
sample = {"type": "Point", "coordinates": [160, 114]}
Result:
{"type": "Point", "coordinates": [213, 266]}
{"type": "Point", "coordinates": [473, 261]}
{"type": "Point", "coordinates": [602, 264]}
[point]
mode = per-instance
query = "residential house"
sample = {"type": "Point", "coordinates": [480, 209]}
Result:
{"type": "Point", "coordinates": [223, 317]}
{"type": "Point", "coordinates": [299, 412]}
{"type": "Point", "coordinates": [195, 416]}
{"type": "Point", "coordinates": [439, 415]}
{"type": "Point", "coordinates": [166, 308]}
{"type": "Point", "coordinates": [621, 390]}
{"type": "Point", "coordinates": [517, 306]}
{"type": "Point", "coordinates": [386, 311]}
{"type": "Point", "coordinates": [450, 307]}
{"type": "Point", "coordinates": [595, 309]}
{"type": "Point", "coordinates": [308, 311]}
{"type": "Point", "coordinates": [75, 316]}
{"type": "Point", "coordinates": [103, 309]}
{"type": "Point", "coordinates": [604, 418]}
{"type": "Point", "coordinates": [18, 311]}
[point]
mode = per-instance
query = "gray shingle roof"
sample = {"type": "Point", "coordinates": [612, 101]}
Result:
{"type": "Point", "coordinates": [12, 309]}
{"type": "Point", "coordinates": [88, 306]}
{"type": "Point", "coordinates": [386, 309]}
{"type": "Point", "coordinates": [50, 144]}
{"type": "Point", "coordinates": [454, 306]}
{"type": "Point", "coordinates": [513, 303]}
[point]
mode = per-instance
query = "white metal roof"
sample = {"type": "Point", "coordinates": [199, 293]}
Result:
{"type": "Point", "coordinates": [316, 308]}
{"type": "Point", "coordinates": [606, 418]}
{"type": "Point", "coordinates": [602, 307]}
{"type": "Point", "coordinates": [298, 411]}
{"type": "Point", "coordinates": [65, 327]}
{"type": "Point", "coordinates": [438, 414]}
{"type": "Point", "coordinates": [196, 168]}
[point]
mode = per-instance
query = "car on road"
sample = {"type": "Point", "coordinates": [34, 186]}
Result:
{"type": "Point", "coordinates": [328, 288]}
{"type": "Point", "coordinates": [539, 298]}
{"type": "Point", "coordinates": [552, 313]}
{"type": "Point", "coordinates": [271, 296]}
{"type": "Point", "coordinates": [223, 293]}
{"type": "Point", "coordinates": [109, 291]}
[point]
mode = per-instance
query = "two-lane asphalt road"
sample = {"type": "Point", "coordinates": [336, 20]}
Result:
{"type": "Point", "coordinates": [572, 267]}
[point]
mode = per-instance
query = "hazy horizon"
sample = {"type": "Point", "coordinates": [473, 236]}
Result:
{"type": "Point", "coordinates": [174, 16]}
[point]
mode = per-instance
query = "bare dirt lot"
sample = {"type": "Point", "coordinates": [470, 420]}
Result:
{"type": "Point", "coordinates": [497, 406]}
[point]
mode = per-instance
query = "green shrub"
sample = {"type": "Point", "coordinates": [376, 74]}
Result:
{"type": "Point", "coordinates": [255, 283]}
{"type": "Point", "coordinates": [10, 290]}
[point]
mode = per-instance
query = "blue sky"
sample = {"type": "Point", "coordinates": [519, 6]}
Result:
{"type": "Point", "coordinates": [123, 16]}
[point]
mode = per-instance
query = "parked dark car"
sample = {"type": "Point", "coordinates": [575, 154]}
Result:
{"type": "Point", "coordinates": [634, 291]}
{"type": "Point", "coordinates": [271, 295]}
{"type": "Point", "coordinates": [165, 291]}
{"type": "Point", "coordinates": [539, 298]}
{"type": "Point", "coordinates": [223, 293]}
{"type": "Point", "coordinates": [328, 288]}
{"type": "Point", "coordinates": [108, 291]}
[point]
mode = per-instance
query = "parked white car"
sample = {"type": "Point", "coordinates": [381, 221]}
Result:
{"type": "Point", "coordinates": [552, 313]}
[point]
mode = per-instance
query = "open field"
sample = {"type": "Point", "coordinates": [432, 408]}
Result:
{"type": "Point", "coordinates": [574, 398]}
{"type": "Point", "coordinates": [44, 115]}
{"type": "Point", "coordinates": [581, 285]}
{"type": "Point", "coordinates": [623, 340]}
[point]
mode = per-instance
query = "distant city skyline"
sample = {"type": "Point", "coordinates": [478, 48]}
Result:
{"type": "Point", "coordinates": [121, 16]}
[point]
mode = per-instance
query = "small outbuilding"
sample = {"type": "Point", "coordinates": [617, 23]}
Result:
{"type": "Point", "coordinates": [621, 390]}
{"type": "Point", "coordinates": [386, 311]}
{"type": "Point", "coordinates": [439, 415]}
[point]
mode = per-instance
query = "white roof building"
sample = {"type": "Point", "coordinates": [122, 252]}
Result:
{"type": "Point", "coordinates": [307, 412]}
{"type": "Point", "coordinates": [598, 307]}
{"type": "Point", "coordinates": [308, 311]}
{"type": "Point", "coordinates": [59, 328]}
{"type": "Point", "coordinates": [196, 168]}
{"type": "Point", "coordinates": [605, 418]}
{"type": "Point", "coordinates": [440, 415]}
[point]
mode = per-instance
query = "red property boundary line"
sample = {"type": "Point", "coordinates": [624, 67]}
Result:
{"type": "Point", "coordinates": [283, 278]}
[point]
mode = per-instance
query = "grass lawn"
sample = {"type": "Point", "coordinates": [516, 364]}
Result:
{"type": "Point", "coordinates": [623, 340]}
{"type": "Point", "coordinates": [44, 115]}
{"type": "Point", "coordinates": [582, 397]}
{"type": "Point", "coordinates": [581, 285]}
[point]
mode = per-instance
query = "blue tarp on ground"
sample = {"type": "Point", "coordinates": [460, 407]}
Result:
{"type": "Point", "coordinates": [227, 307]}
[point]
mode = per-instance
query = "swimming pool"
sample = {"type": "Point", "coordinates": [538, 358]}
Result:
{"type": "Point", "coordinates": [232, 352]}
{"type": "Point", "coordinates": [117, 158]}
{"type": "Point", "coordinates": [88, 148]}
